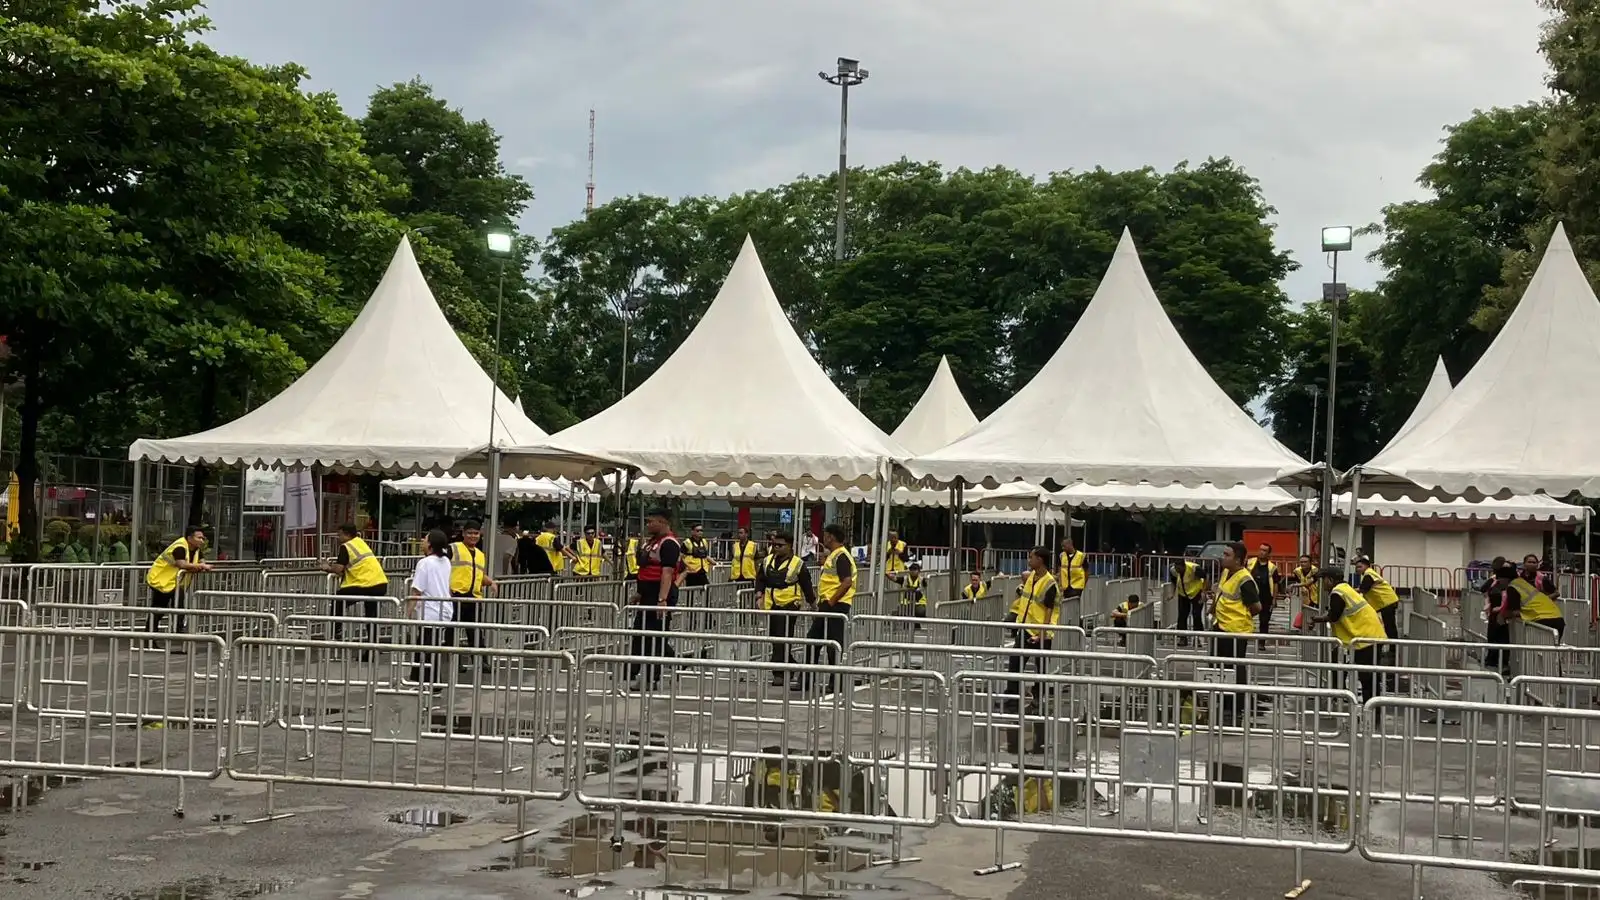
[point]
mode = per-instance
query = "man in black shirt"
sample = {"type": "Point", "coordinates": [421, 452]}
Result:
{"type": "Point", "coordinates": [660, 560]}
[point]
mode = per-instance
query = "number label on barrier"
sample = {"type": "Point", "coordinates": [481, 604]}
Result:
{"type": "Point", "coordinates": [109, 597]}
{"type": "Point", "coordinates": [1213, 675]}
{"type": "Point", "coordinates": [395, 717]}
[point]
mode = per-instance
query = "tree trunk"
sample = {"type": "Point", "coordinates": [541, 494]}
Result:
{"type": "Point", "coordinates": [25, 543]}
{"type": "Point", "coordinates": [207, 416]}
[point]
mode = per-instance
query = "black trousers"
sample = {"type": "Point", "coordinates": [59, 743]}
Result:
{"type": "Point", "coordinates": [696, 579]}
{"type": "Point", "coordinates": [1558, 624]}
{"type": "Point", "coordinates": [1498, 660]}
{"type": "Point", "coordinates": [468, 610]}
{"type": "Point", "coordinates": [826, 628]}
{"type": "Point", "coordinates": [1264, 618]}
{"type": "Point", "coordinates": [1366, 656]}
{"type": "Point", "coordinates": [1236, 647]}
{"type": "Point", "coordinates": [166, 600]}
{"type": "Point", "coordinates": [650, 626]}
{"type": "Point", "coordinates": [1016, 662]}
{"type": "Point", "coordinates": [369, 607]}
{"type": "Point", "coordinates": [780, 626]}
{"type": "Point", "coordinates": [1391, 620]}
{"type": "Point", "coordinates": [1190, 609]}
{"type": "Point", "coordinates": [430, 668]}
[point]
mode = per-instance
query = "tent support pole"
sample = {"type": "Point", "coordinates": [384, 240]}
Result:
{"type": "Point", "coordinates": [956, 498]}
{"type": "Point", "coordinates": [1039, 518]}
{"type": "Point", "coordinates": [491, 508]}
{"type": "Point", "coordinates": [136, 539]}
{"type": "Point", "coordinates": [1350, 534]}
{"type": "Point", "coordinates": [880, 535]}
{"type": "Point", "coordinates": [380, 518]}
{"type": "Point", "coordinates": [1588, 591]}
{"type": "Point", "coordinates": [243, 468]}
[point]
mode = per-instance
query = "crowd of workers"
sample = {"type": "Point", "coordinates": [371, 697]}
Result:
{"type": "Point", "coordinates": [1229, 607]}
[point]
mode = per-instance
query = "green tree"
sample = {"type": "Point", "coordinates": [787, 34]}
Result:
{"type": "Point", "coordinates": [453, 188]}
{"type": "Point", "coordinates": [1303, 391]}
{"type": "Point", "coordinates": [1443, 257]}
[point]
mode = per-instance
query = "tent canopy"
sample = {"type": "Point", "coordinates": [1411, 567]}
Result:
{"type": "Point", "coordinates": [1522, 508]}
{"type": "Point", "coordinates": [940, 416]}
{"type": "Point", "coordinates": [1520, 422]}
{"type": "Point", "coordinates": [741, 401]}
{"type": "Point", "coordinates": [1144, 497]}
{"type": "Point", "coordinates": [546, 489]}
{"type": "Point", "coordinates": [398, 392]}
{"type": "Point", "coordinates": [1122, 400]}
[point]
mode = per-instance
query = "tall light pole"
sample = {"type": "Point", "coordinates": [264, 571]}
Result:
{"type": "Point", "coordinates": [500, 243]}
{"type": "Point", "coordinates": [1316, 407]}
{"type": "Point", "coordinates": [848, 75]}
{"type": "Point", "coordinates": [1336, 239]}
{"type": "Point", "coordinates": [627, 306]}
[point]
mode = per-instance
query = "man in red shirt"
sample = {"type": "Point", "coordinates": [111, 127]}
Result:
{"type": "Point", "coordinates": [660, 560]}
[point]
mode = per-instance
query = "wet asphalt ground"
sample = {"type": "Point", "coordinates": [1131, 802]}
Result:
{"type": "Point", "coordinates": [117, 838]}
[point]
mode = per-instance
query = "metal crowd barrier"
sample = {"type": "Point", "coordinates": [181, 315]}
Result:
{"type": "Point", "coordinates": [963, 632]}
{"type": "Point", "coordinates": [286, 604]}
{"type": "Point", "coordinates": [586, 590]}
{"type": "Point", "coordinates": [298, 581]}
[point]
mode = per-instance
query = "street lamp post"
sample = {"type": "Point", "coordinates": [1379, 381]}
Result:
{"type": "Point", "coordinates": [848, 74]}
{"type": "Point", "coordinates": [627, 306]}
{"type": "Point", "coordinates": [1336, 239]}
{"type": "Point", "coordinates": [1316, 407]}
{"type": "Point", "coordinates": [500, 243]}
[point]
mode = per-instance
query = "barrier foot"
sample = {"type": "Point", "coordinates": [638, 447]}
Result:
{"type": "Point", "coordinates": [911, 859]}
{"type": "Point", "coordinates": [272, 815]}
{"type": "Point", "coordinates": [519, 836]}
{"type": "Point", "coordinates": [177, 811]}
{"type": "Point", "coordinates": [1416, 883]}
{"type": "Point", "coordinates": [523, 832]}
{"type": "Point", "coordinates": [997, 868]}
{"type": "Point", "coordinates": [1000, 865]}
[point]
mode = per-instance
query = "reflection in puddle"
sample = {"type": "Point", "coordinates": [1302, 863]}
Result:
{"type": "Point", "coordinates": [427, 818]}
{"type": "Point", "coordinates": [202, 889]}
{"type": "Point", "coordinates": [17, 791]}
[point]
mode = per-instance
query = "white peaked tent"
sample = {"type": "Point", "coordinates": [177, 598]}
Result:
{"type": "Point", "coordinates": [1122, 400]}
{"type": "Point", "coordinates": [1144, 497]}
{"type": "Point", "coordinates": [473, 486]}
{"type": "Point", "coordinates": [1438, 388]}
{"type": "Point", "coordinates": [940, 416]}
{"type": "Point", "coordinates": [1522, 420]}
{"type": "Point", "coordinates": [398, 392]}
{"type": "Point", "coordinates": [741, 401]}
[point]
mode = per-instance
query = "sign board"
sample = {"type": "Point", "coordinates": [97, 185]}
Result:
{"type": "Point", "coordinates": [263, 487]}
{"type": "Point", "coordinates": [786, 517]}
{"type": "Point", "coordinates": [300, 501]}
{"type": "Point", "coordinates": [1335, 291]}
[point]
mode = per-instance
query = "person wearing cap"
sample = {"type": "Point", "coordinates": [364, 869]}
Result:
{"type": "Point", "coordinates": [745, 563]}
{"type": "Point", "coordinates": [914, 597]}
{"type": "Point", "coordinates": [697, 562]}
{"type": "Point", "coordinates": [589, 561]}
{"type": "Point", "coordinates": [785, 586]}
{"type": "Point", "coordinates": [1380, 593]}
{"type": "Point", "coordinates": [1351, 618]}
{"type": "Point", "coordinates": [660, 561]}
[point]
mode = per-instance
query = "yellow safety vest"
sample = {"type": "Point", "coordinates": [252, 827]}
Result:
{"type": "Point", "coordinates": [1381, 595]}
{"type": "Point", "coordinates": [828, 582]}
{"type": "Point", "coordinates": [894, 556]}
{"type": "Point", "coordinates": [975, 593]}
{"type": "Point", "coordinates": [546, 541]}
{"type": "Point", "coordinates": [633, 556]}
{"type": "Point", "coordinates": [1074, 573]}
{"type": "Point", "coordinates": [362, 568]}
{"type": "Point", "coordinates": [1231, 613]}
{"type": "Point", "coordinates": [164, 574]}
{"type": "Point", "coordinates": [1359, 622]}
{"type": "Point", "coordinates": [1307, 580]}
{"type": "Point", "coordinates": [913, 588]}
{"type": "Point", "coordinates": [692, 563]}
{"type": "Point", "coordinates": [466, 570]}
{"type": "Point", "coordinates": [1272, 573]}
{"type": "Point", "coordinates": [744, 561]}
{"type": "Point", "coordinates": [1536, 604]}
{"type": "Point", "coordinates": [1191, 580]}
{"type": "Point", "coordinates": [1029, 608]}
{"type": "Point", "coordinates": [787, 574]}
{"type": "Point", "coordinates": [591, 559]}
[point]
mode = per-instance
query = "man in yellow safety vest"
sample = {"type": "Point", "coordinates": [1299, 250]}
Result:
{"type": "Point", "coordinates": [468, 577]}
{"type": "Point", "coordinates": [1355, 623]}
{"type": "Point", "coordinates": [361, 576]}
{"type": "Point", "coordinates": [173, 570]}
{"type": "Point", "coordinates": [1380, 593]}
{"type": "Point", "coordinates": [895, 552]}
{"type": "Point", "coordinates": [1072, 572]}
{"type": "Point", "coordinates": [1189, 588]}
{"type": "Point", "coordinates": [590, 559]}
{"type": "Point", "coordinates": [697, 562]}
{"type": "Point", "coordinates": [743, 566]}
{"type": "Point", "coordinates": [785, 586]}
{"type": "Point", "coordinates": [836, 593]}
{"type": "Point", "coordinates": [914, 600]}
{"type": "Point", "coordinates": [1234, 610]}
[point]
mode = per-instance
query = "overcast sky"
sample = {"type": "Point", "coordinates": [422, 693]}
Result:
{"type": "Point", "coordinates": [1335, 106]}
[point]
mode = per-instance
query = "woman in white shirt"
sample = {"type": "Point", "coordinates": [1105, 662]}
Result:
{"type": "Point", "coordinates": [430, 602]}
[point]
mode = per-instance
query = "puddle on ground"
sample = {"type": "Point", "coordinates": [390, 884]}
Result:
{"type": "Point", "coordinates": [17, 791]}
{"type": "Point", "coordinates": [427, 818]}
{"type": "Point", "coordinates": [206, 889]}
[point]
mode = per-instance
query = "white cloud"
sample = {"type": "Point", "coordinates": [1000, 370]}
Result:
{"type": "Point", "coordinates": [1334, 106]}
